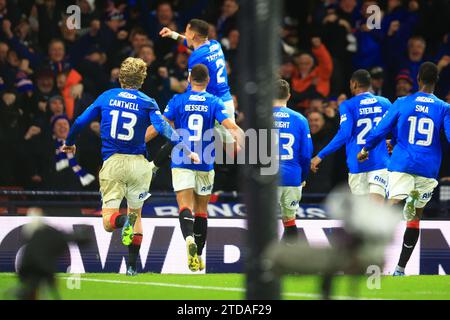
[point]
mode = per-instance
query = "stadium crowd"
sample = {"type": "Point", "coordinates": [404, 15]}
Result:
{"type": "Point", "coordinates": [49, 73]}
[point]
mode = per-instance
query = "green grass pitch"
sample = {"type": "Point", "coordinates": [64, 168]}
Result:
{"type": "Point", "coordinates": [231, 287]}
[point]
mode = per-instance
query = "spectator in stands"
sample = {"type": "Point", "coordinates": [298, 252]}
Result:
{"type": "Point", "coordinates": [403, 84]}
{"type": "Point", "coordinates": [414, 58]}
{"type": "Point", "coordinates": [321, 182]}
{"type": "Point", "coordinates": [377, 81]}
{"type": "Point", "coordinates": [57, 60]}
{"type": "Point", "coordinates": [310, 79]}
{"type": "Point", "coordinates": [228, 18]}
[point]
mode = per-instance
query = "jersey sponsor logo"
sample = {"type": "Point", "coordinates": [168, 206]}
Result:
{"type": "Point", "coordinates": [280, 114]}
{"type": "Point", "coordinates": [368, 101]}
{"type": "Point", "coordinates": [194, 97]}
{"type": "Point", "coordinates": [127, 95]}
{"type": "Point", "coordinates": [425, 99]}
{"type": "Point", "coordinates": [370, 110]}
{"type": "Point", "coordinates": [420, 108]}
{"type": "Point", "coordinates": [343, 118]}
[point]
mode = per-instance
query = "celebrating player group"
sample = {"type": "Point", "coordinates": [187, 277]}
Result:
{"type": "Point", "coordinates": [130, 119]}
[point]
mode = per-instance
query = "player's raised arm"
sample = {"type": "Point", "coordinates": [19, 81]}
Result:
{"type": "Point", "coordinates": [169, 33]}
{"type": "Point", "coordinates": [339, 139]}
{"type": "Point", "coordinates": [89, 115]}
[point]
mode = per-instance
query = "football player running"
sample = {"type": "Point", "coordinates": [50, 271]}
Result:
{"type": "Point", "coordinates": [125, 115]}
{"type": "Point", "coordinates": [194, 113]}
{"type": "Point", "coordinates": [417, 121]}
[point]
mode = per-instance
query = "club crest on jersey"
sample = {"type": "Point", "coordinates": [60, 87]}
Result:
{"type": "Point", "coordinates": [127, 95]}
{"type": "Point", "coordinates": [343, 118]}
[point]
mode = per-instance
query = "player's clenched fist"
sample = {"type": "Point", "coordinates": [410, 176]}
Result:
{"type": "Point", "coordinates": [363, 155]}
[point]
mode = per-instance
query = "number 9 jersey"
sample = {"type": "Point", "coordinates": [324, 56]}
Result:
{"type": "Point", "coordinates": [416, 121]}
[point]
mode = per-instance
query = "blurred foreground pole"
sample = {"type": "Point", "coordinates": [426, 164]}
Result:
{"type": "Point", "coordinates": [258, 65]}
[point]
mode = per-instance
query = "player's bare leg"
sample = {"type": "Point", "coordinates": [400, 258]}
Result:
{"type": "Point", "coordinates": [377, 198]}
{"type": "Point", "coordinates": [135, 245]}
{"type": "Point", "coordinates": [185, 200]}
{"type": "Point", "coordinates": [201, 225]}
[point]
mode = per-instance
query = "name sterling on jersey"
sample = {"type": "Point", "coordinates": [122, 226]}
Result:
{"type": "Point", "coordinates": [124, 104]}
{"type": "Point", "coordinates": [370, 110]}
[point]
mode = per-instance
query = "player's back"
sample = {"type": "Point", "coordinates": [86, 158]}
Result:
{"type": "Point", "coordinates": [125, 119]}
{"type": "Point", "coordinates": [366, 111]}
{"type": "Point", "coordinates": [293, 129]}
{"type": "Point", "coordinates": [420, 118]}
{"type": "Point", "coordinates": [211, 55]}
{"type": "Point", "coordinates": [194, 115]}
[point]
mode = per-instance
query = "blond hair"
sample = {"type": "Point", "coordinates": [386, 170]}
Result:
{"type": "Point", "coordinates": [132, 73]}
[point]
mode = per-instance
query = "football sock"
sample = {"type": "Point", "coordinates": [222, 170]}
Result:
{"type": "Point", "coordinates": [133, 250]}
{"type": "Point", "coordinates": [409, 242]}
{"type": "Point", "coordinates": [117, 220]}
{"type": "Point", "coordinates": [163, 154]}
{"type": "Point", "coordinates": [290, 231]}
{"type": "Point", "coordinates": [200, 231]}
{"type": "Point", "coordinates": [186, 222]}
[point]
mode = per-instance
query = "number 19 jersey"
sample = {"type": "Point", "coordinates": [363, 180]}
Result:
{"type": "Point", "coordinates": [358, 116]}
{"type": "Point", "coordinates": [417, 121]}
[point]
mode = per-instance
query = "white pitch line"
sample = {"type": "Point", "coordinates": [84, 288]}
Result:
{"type": "Point", "coordinates": [184, 286]}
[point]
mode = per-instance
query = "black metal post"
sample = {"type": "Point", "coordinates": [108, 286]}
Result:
{"type": "Point", "coordinates": [258, 65]}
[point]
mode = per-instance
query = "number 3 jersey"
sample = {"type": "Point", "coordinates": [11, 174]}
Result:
{"type": "Point", "coordinates": [125, 116]}
{"type": "Point", "coordinates": [295, 146]}
{"type": "Point", "coordinates": [194, 115]}
{"type": "Point", "coordinates": [416, 120]}
{"type": "Point", "coordinates": [358, 116]}
{"type": "Point", "coordinates": [211, 55]}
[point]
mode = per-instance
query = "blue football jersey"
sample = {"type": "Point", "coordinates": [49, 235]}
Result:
{"type": "Point", "coordinates": [125, 116]}
{"type": "Point", "coordinates": [358, 116]}
{"type": "Point", "coordinates": [194, 115]}
{"type": "Point", "coordinates": [211, 55]}
{"type": "Point", "coordinates": [417, 121]}
{"type": "Point", "coordinates": [295, 146]}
